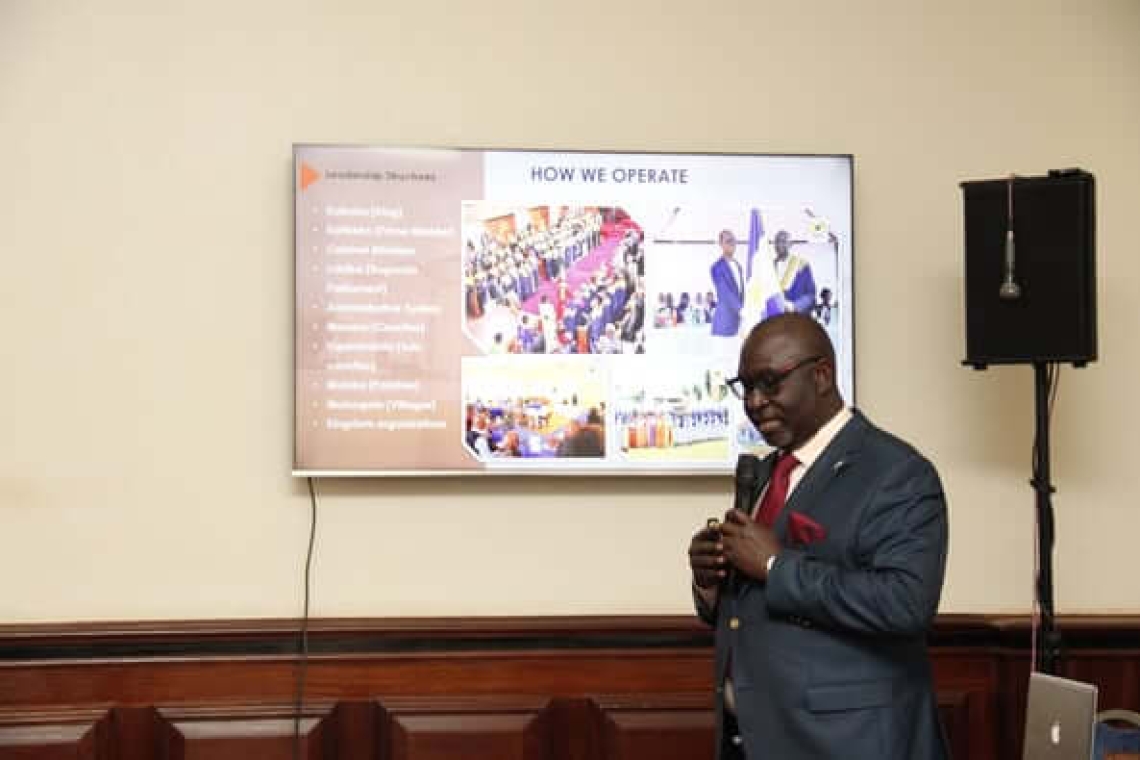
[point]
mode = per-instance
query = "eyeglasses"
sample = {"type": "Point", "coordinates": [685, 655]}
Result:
{"type": "Point", "coordinates": [767, 383]}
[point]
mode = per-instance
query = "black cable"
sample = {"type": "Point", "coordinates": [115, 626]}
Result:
{"type": "Point", "coordinates": [1044, 490]}
{"type": "Point", "coordinates": [302, 665]}
{"type": "Point", "coordinates": [1054, 384]}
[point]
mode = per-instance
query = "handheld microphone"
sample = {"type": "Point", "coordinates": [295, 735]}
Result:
{"type": "Point", "coordinates": [1009, 290]}
{"type": "Point", "coordinates": [747, 472]}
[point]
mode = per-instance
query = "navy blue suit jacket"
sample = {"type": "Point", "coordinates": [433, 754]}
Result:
{"type": "Point", "coordinates": [729, 299]}
{"type": "Point", "coordinates": [829, 657]}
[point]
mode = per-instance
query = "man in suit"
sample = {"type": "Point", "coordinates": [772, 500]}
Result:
{"type": "Point", "coordinates": [783, 284]}
{"type": "Point", "coordinates": [822, 598]}
{"type": "Point", "coordinates": [728, 279]}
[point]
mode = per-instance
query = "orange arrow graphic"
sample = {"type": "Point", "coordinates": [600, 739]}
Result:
{"type": "Point", "coordinates": [309, 175]}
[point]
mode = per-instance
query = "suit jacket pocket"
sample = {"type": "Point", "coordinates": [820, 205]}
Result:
{"type": "Point", "coordinates": [853, 696]}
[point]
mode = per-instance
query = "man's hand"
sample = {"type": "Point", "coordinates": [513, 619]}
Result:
{"type": "Point", "coordinates": [706, 557]}
{"type": "Point", "coordinates": [748, 544]}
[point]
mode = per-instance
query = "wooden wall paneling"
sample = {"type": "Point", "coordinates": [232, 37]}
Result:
{"type": "Point", "coordinates": [142, 682]}
{"type": "Point", "coordinates": [661, 727]}
{"type": "Point", "coordinates": [138, 733]}
{"type": "Point", "coordinates": [475, 728]}
{"type": "Point", "coordinates": [378, 689]}
{"type": "Point", "coordinates": [52, 735]}
{"type": "Point", "coordinates": [1010, 689]}
{"type": "Point", "coordinates": [965, 681]}
{"type": "Point", "coordinates": [359, 731]}
{"type": "Point", "coordinates": [954, 710]}
{"type": "Point", "coordinates": [574, 729]}
{"type": "Point", "coordinates": [241, 732]}
{"type": "Point", "coordinates": [352, 677]}
{"type": "Point", "coordinates": [1117, 679]}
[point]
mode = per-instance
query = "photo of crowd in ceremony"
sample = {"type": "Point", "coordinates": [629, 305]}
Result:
{"type": "Point", "coordinates": [553, 279]}
{"type": "Point", "coordinates": [670, 411]}
{"type": "Point", "coordinates": [536, 408]}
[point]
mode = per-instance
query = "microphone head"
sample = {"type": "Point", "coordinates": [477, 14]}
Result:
{"type": "Point", "coordinates": [1009, 290]}
{"type": "Point", "coordinates": [747, 468]}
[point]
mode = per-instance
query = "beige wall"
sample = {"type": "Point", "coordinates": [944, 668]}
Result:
{"type": "Point", "coordinates": [145, 316]}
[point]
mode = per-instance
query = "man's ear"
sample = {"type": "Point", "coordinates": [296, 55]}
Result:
{"type": "Point", "coordinates": [824, 376]}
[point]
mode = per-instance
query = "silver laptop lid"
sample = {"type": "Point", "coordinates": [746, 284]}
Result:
{"type": "Point", "coordinates": [1060, 716]}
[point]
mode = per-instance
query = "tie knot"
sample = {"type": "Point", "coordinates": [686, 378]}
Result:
{"type": "Point", "coordinates": [786, 462]}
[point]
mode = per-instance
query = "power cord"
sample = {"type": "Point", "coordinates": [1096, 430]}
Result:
{"type": "Point", "coordinates": [1043, 603]}
{"type": "Point", "coordinates": [302, 665]}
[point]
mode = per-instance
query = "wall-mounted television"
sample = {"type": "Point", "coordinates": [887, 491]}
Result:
{"type": "Point", "coordinates": [545, 312]}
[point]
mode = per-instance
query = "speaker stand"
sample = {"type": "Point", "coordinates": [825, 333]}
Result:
{"type": "Point", "coordinates": [1049, 651]}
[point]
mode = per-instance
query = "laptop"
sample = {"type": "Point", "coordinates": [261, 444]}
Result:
{"type": "Point", "coordinates": [1060, 716]}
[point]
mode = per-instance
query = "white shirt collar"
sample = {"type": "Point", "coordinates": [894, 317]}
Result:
{"type": "Point", "coordinates": [814, 446]}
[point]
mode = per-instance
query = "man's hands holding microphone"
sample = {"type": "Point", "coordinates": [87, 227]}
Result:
{"type": "Point", "coordinates": [739, 543]}
{"type": "Point", "coordinates": [706, 556]}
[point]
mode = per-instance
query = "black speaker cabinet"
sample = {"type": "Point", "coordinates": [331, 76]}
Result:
{"type": "Point", "coordinates": [1035, 300]}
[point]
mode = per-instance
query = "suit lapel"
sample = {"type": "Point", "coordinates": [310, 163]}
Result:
{"type": "Point", "coordinates": [841, 455]}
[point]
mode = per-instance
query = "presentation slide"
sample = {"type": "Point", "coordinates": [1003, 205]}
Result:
{"type": "Point", "coordinates": [558, 313]}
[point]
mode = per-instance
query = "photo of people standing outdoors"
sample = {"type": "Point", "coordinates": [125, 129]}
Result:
{"type": "Point", "coordinates": [670, 411]}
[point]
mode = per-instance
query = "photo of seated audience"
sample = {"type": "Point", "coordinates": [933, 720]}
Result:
{"type": "Point", "coordinates": [533, 427]}
{"type": "Point", "coordinates": [684, 310]}
{"type": "Point", "coordinates": [551, 408]}
{"type": "Point", "coordinates": [553, 279]}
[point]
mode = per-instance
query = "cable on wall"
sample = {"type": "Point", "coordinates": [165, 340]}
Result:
{"type": "Point", "coordinates": [303, 643]}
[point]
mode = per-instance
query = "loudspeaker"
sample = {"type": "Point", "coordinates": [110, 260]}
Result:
{"type": "Point", "coordinates": [1030, 269]}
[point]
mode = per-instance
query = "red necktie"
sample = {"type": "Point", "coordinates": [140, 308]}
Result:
{"type": "Point", "coordinates": [777, 492]}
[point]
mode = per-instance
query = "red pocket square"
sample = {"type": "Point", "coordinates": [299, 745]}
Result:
{"type": "Point", "coordinates": [803, 530]}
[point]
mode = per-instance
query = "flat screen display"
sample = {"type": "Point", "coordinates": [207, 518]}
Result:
{"type": "Point", "coordinates": [540, 312]}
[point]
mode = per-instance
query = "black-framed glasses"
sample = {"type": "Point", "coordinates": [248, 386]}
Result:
{"type": "Point", "coordinates": [767, 383]}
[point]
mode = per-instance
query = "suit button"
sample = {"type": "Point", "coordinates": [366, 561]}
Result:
{"type": "Point", "coordinates": [734, 623]}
